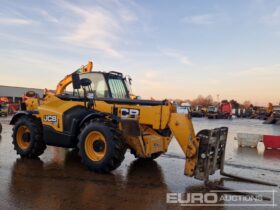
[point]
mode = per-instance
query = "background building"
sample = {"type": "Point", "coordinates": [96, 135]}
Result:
{"type": "Point", "coordinates": [14, 94]}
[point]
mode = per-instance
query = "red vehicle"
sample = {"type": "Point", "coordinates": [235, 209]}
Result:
{"type": "Point", "coordinates": [4, 99]}
{"type": "Point", "coordinates": [7, 106]}
{"type": "Point", "coordinates": [223, 111]}
{"type": "Point", "coordinates": [4, 106]}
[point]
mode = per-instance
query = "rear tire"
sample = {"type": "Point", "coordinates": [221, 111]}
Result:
{"type": "Point", "coordinates": [101, 147]}
{"type": "Point", "coordinates": [28, 138]}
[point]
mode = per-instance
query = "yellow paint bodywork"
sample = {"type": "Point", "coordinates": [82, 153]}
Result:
{"type": "Point", "coordinates": [32, 104]}
{"type": "Point", "coordinates": [153, 142]}
{"type": "Point", "coordinates": [151, 119]}
{"type": "Point", "coordinates": [182, 128]}
{"type": "Point", "coordinates": [155, 116]}
{"type": "Point", "coordinates": [52, 105]}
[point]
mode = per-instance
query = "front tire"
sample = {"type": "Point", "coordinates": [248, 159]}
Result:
{"type": "Point", "coordinates": [28, 138]}
{"type": "Point", "coordinates": [100, 147]}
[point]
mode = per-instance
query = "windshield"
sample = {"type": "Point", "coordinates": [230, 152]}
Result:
{"type": "Point", "coordinates": [117, 88]}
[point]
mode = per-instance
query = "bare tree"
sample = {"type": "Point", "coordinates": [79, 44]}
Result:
{"type": "Point", "coordinates": [247, 104]}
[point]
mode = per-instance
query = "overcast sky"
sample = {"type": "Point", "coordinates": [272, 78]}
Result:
{"type": "Point", "coordinates": [171, 49]}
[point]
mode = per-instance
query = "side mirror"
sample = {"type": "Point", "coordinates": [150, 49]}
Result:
{"type": "Point", "coordinates": [76, 82]}
{"type": "Point", "coordinates": [129, 80]}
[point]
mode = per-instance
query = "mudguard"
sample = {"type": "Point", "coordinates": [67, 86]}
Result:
{"type": "Point", "coordinates": [21, 113]}
{"type": "Point", "coordinates": [95, 115]}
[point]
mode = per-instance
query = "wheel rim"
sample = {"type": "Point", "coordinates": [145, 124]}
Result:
{"type": "Point", "coordinates": [95, 146]}
{"type": "Point", "coordinates": [22, 137]}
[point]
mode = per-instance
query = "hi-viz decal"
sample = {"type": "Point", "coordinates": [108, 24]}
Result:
{"type": "Point", "coordinates": [50, 118]}
{"type": "Point", "coordinates": [129, 113]}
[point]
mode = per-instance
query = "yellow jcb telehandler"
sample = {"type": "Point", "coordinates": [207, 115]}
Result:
{"type": "Point", "coordinates": [94, 112]}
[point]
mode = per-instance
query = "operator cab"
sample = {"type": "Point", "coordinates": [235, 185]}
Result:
{"type": "Point", "coordinates": [111, 87]}
{"type": "Point", "coordinates": [103, 85]}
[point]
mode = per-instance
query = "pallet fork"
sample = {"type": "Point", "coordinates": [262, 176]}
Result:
{"type": "Point", "coordinates": [211, 157]}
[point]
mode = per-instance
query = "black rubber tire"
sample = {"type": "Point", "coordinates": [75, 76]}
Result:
{"type": "Point", "coordinates": [116, 148]}
{"type": "Point", "coordinates": [0, 128]}
{"type": "Point", "coordinates": [37, 145]}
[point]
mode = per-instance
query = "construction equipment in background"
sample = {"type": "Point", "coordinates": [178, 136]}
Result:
{"type": "Point", "coordinates": [3, 109]}
{"type": "Point", "coordinates": [8, 107]}
{"type": "Point", "coordinates": [270, 108]}
{"type": "Point", "coordinates": [260, 113]}
{"type": "Point", "coordinates": [4, 106]}
{"type": "Point", "coordinates": [274, 118]}
{"type": "Point", "coordinates": [223, 111]}
{"type": "Point", "coordinates": [93, 111]}
{"type": "Point", "coordinates": [197, 111]}
{"type": "Point", "coordinates": [212, 112]}
{"type": "Point", "coordinates": [184, 108]}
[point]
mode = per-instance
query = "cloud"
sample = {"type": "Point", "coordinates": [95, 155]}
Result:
{"type": "Point", "coordinates": [151, 74]}
{"type": "Point", "coordinates": [14, 21]}
{"type": "Point", "coordinates": [177, 55]}
{"type": "Point", "coordinates": [98, 27]}
{"type": "Point", "coordinates": [260, 71]}
{"type": "Point", "coordinates": [128, 16]}
{"type": "Point", "coordinates": [43, 70]}
{"type": "Point", "coordinates": [205, 19]}
{"type": "Point", "coordinates": [213, 81]}
{"type": "Point", "coordinates": [48, 17]}
{"type": "Point", "coordinates": [272, 19]}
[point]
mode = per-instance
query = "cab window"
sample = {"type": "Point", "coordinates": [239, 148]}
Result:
{"type": "Point", "coordinates": [98, 85]}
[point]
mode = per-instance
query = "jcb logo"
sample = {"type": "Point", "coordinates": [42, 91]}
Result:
{"type": "Point", "coordinates": [50, 118]}
{"type": "Point", "coordinates": [129, 113]}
